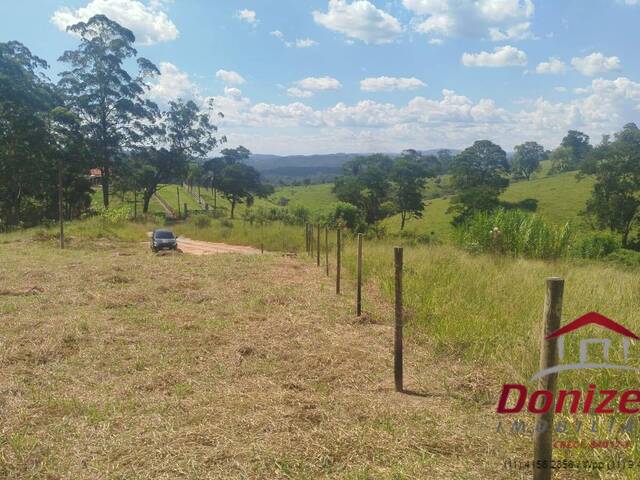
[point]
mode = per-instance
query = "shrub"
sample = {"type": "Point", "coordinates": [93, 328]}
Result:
{"type": "Point", "coordinates": [345, 214]}
{"type": "Point", "coordinates": [226, 223]}
{"type": "Point", "coordinates": [515, 233]}
{"type": "Point", "coordinates": [597, 245]}
{"type": "Point", "coordinates": [114, 215]}
{"type": "Point", "coordinates": [625, 258]}
{"type": "Point", "coordinates": [201, 221]}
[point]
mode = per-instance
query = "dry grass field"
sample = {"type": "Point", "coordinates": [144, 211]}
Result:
{"type": "Point", "coordinates": [121, 364]}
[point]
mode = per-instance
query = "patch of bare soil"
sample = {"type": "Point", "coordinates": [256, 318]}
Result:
{"type": "Point", "coordinates": [197, 247]}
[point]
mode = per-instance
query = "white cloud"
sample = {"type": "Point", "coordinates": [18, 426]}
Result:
{"type": "Point", "coordinates": [388, 84]}
{"type": "Point", "coordinates": [230, 77]}
{"type": "Point", "coordinates": [149, 23]}
{"type": "Point", "coordinates": [436, 41]}
{"type": "Point", "coordinates": [554, 66]}
{"type": "Point", "coordinates": [450, 120]}
{"type": "Point", "coordinates": [560, 89]}
{"type": "Point", "coordinates": [302, 43]}
{"type": "Point", "coordinates": [506, 56]}
{"type": "Point", "coordinates": [498, 20]}
{"type": "Point", "coordinates": [519, 31]}
{"type": "Point", "coordinates": [171, 84]}
{"type": "Point", "coordinates": [595, 64]}
{"type": "Point", "coordinates": [276, 33]}
{"type": "Point", "coordinates": [299, 93]}
{"type": "Point", "coordinates": [319, 83]}
{"type": "Point", "coordinates": [248, 16]}
{"type": "Point", "coordinates": [360, 20]}
{"type": "Point", "coordinates": [233, 92]}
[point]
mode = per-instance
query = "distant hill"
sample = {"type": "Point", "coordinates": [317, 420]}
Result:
{"type": "Point", "coordinates": [318, 167]}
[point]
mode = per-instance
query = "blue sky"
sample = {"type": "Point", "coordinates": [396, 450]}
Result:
{"type": "Point", "coordinates": [323, 76]}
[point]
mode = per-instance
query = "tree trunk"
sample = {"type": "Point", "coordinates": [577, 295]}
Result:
{"type": "Point", "coordinates": [105, 186]}
{"type": "Point", "coordinates": [233, 206]}
{"type": "Point", "coordinates": [215, 198]}
{"type": "Point", "coordinates": [60, 205]}
{"type": "Point", "coordinates": [403, 216]}
{"type": "Point", "coordinates": [146, 197]}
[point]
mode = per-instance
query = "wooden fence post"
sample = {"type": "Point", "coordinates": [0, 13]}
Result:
{"type": "Point", "coordinates": [178, 193]}
{"type": "Point", "coordinates": [306, 237]}
{"type": "Point", "coordinates": [542, 436]}
{"type": "Point", "coordinates": [318, 245]}
{"type": "Point", "coordinates": [359, 280]}
{"type": "Point", "coordinates": [186, 212]}
{"type": "Point", "coordinates": [326, 248]}
{"type": "Point", "coordinates": [397, 344]}
{"type": "Point", "coordinates": [338, 259]}
{"type": "Point", "coordinates": [311, 239]}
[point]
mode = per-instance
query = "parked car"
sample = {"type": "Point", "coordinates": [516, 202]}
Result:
{"type": "Point", "coordinates": [163, 240]}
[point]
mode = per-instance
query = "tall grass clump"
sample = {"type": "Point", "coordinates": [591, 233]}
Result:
{"type": "Point", "coordinates": [513, 232]}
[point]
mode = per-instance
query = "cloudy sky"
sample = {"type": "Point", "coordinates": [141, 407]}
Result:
{"type": "Point", "coordinates": [322, 76]}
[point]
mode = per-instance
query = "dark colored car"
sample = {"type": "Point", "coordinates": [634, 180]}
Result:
{"type": "Point", "coordinates": [163, 240]}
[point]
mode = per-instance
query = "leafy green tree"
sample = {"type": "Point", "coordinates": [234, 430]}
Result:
{"type": "Point", "coordinates": [527, 158]}
{"type": "Point", "coordinates": [109, 101]}
{"type": "Point", "coordinates": [572, 152]}
{"type": "Point", "coordinates": [240, 183]}
{"type": "Point", "coordinates": [408, 176]}
{"type": "Point", "coordinates": [25, 97]}
{"type": "Point", "coordinates": [479, 174]}
{"type": "Point", "coordinates": [188, 135]}
{"type": "Point", "coordinates": [365, 184]}
{"type": "Point", "coordinates": [615, 199]}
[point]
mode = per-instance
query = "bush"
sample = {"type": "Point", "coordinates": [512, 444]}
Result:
{"type": "Point", "coordinates": [345, 214]}
{"type": "Point", "coordinates": [201, 221]}
{"type": "Point", "coordinates": [114, 215]}
{"type": "Point", "coordinates": [625, 258]}
{"type": "Point", "coordinates": [515, 233]}
{"type": "Point", "coordinates": [597, 245]}
{"type": "Point", "coordinates": [226, 223]}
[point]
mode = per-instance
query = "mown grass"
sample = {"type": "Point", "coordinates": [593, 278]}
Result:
{"type": "Point", "coordinates": [118, 363]}
{"type": "Point", "coordinates": [483, 312]}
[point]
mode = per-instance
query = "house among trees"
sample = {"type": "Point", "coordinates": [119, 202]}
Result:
{"type": "Point", "coordinates": [95, 177]}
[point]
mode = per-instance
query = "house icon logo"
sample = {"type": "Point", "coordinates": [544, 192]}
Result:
{"type": "Point", "coordinates": [585, 360]}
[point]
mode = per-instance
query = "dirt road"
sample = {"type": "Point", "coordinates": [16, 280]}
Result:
{"type": "Point", "coordinates": [197, 247]}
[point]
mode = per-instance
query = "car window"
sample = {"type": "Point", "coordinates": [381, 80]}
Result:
{"type": "Point", "coordinates": [164, 235]}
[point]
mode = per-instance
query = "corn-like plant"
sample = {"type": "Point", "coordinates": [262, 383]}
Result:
{"type": "Point", "coordinates": [514, 232]}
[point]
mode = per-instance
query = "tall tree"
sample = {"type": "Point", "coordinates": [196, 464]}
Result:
{"type": "Point", "coordinates": [109, 101]}
{"type": "Point", "coordinates": [238, 182]}
{"type": "Point", "coordinates": [527, 158]}
{"type": "Point", "coordinates": [25, 98]}
{"type": "Point", "coordinates": [188, 134]}
{"type": "Point", "coordinates": [408, 176]}
{"type": "Point", "coordinates": [615, 199]}
{"type": "Point", "coordinates": [365, 184]}
{"type": "Point", "coordinates": [479, 175]}
{"type": "Point", "coordinates": [572, 152]}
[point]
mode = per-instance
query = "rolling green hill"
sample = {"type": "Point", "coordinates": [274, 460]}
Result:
{"type": "Point", "coordinates": [560, 198]}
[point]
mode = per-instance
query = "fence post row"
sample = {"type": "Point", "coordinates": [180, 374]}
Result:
{"type": "Point", "coordinates": [359, 285]}
{"type": "Point", "coordinates": [542, 436]}
{"type": "Point", "coordinates": [397, 344]}
{"type": "Point", "coordinates": [338, 263]}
